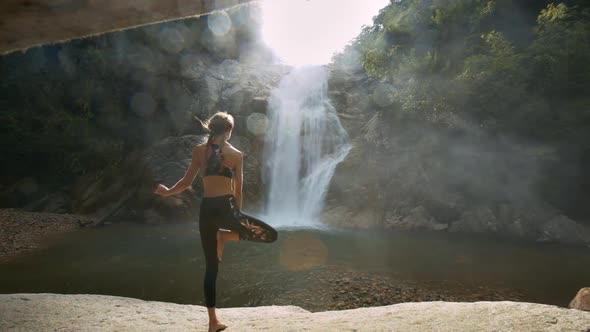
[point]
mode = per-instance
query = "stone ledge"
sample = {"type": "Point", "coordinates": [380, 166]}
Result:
{"type": "Point", "coordinates": [32, 23]}
{"type": "Point", "coordinates": [55, 312]}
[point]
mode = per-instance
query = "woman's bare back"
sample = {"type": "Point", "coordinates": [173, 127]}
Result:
{"type": "Point", "coordinates": [219, 185]}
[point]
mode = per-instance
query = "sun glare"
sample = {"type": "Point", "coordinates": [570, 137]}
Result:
{"type": "Point", "coordinates": [305, 32]}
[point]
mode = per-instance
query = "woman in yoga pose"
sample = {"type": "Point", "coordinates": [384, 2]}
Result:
{"type": "Point", "coordinates": [220, 218]}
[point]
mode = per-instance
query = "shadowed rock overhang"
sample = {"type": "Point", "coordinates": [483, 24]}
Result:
{"type": "Point", "coordinates": [29, 23]}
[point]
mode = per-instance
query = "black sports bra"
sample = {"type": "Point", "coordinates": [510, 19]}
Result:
{"type": "Point", "coordinates": [214, 166]}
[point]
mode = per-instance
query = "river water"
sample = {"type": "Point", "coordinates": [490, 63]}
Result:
{"type": "Point", "coordinates": [318, 270]}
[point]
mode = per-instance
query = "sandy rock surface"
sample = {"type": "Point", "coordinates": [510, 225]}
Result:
{"type": "Point", "coordinates": [54, 312]}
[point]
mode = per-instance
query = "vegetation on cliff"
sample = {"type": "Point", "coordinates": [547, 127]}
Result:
{"type": "Point", "coordinates": [490, 97]}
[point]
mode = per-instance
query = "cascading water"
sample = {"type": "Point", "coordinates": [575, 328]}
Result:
{"type": "Point", "coordinates": [304, 143]}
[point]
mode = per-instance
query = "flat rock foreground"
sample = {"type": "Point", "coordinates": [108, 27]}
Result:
{"type": "Point", "coordinates": [54, 312]}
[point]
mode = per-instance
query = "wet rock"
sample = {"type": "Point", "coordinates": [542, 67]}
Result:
{"type": "Point", "coordinates": [257, 105]}
{"type": "Point", "coordinates": [518, 228]}
{"type": "Point", "coordinates": [57, 202]}
{"type": "Point", "coordinates": [564, 230]}
{"type": "Point", "coordinates": [344, 217]}
{"type": "Point", "coordinates": [417, 219]}
{"type": "Point", "coordinates": [130, 197]}
{"type": "Point", "coordinates": [241, 143]}
{"type": "Point", "coordinates": [476, 220]}
{"type": "Point", "coordinates": [253, 187]}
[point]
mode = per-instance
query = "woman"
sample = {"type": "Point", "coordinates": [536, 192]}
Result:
{"type": "Point", "coordinates": [220, 219]}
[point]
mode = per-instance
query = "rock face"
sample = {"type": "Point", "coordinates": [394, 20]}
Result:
{"type": "Point", "coordinates": [188, 72]}
{"type": "Point", "coordinates": [582, 300]}
{"type": "Point", "coordinates": [128, 196]}
{"type": "Point", "coordinates": [166, 162]}
{"type": "Point", "coordinates": [412, 175]}
{"type": "Point", "coordinates": [43, 312]}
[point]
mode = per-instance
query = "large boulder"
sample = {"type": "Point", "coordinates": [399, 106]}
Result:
{"type": "Point", "coordinates": [166, 162]}
{"type": "Point", "coordinates": [582, 300]}
{"type": "Point", "coordinates": [127, 194]}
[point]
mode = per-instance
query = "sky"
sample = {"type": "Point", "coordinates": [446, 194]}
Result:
{"type": "Point", "coordinates": [305, 32]}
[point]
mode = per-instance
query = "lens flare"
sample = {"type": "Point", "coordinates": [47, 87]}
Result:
{"type": "Point", "coordinates": [219, 23]}
{"type": "Point", "coordinates": [301, 252]}
{"type": "Point", "coordinates": [257, 123]}
{"type": "Point", "coordinates": [310, 32]}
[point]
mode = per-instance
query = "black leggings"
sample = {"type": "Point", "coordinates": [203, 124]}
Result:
{"type": "Point", "coordinates": [222, 212]}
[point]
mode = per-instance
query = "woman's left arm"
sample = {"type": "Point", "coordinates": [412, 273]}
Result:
{"type": "Point", "coordinates": [186, 180]}
{"type": "Point", "coordinates": [238, 180]}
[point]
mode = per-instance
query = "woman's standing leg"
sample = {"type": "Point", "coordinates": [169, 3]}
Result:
{"type": "Point", "coordinates": [208, 232]}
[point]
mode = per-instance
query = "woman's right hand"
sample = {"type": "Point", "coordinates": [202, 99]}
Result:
{"type": "Point", "coordinates": [162, 190]}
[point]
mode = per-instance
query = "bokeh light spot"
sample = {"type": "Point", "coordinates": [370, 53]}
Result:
{"type": "Point", "coordinates": [219, 23]}
{"type": "Point", "coordinates": [171, 40]}
{"type": "Point", "coordinates": [257, 123]}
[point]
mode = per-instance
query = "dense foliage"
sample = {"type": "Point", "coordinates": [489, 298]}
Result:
{"type": "Point", "coordinates": [518, 69]}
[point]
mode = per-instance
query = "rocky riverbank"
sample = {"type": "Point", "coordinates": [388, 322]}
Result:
{"type": "Point", "coordinates": [330, 288]}
{"type": "Point", "coordinates": [22, 231]}
{"type": "Point", "coordinates": [54, 312]}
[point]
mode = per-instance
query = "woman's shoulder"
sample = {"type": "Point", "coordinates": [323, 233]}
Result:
{"type": "Point", "coordinates": [233, 149]}
{"type": "Point", "coordinates": [199, 150]}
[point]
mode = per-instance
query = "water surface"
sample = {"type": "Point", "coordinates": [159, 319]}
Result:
{"type": "Point", "coordinates": [305, 268]}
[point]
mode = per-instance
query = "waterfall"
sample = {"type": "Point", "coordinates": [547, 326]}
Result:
{"type": "Point", "coordinates": [304, 143]}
